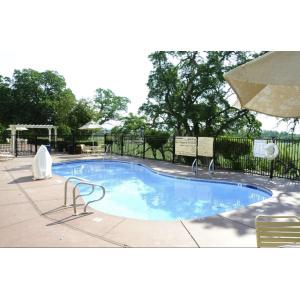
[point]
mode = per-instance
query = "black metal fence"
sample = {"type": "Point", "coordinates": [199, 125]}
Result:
{"type": "Point", "coordinates": [237, 154]}
{"type": "Point", "coordinates": [229, 153]}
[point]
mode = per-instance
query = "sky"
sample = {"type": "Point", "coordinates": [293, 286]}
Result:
{"type": "Point", "coordinates": [92, 45]}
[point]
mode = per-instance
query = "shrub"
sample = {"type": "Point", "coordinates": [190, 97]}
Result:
{"type": "Point", "coordinates": [233, 150]}
{"type": "Point", "coordinates": [156, 139]}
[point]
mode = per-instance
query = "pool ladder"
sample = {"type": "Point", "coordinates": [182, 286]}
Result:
{"type": "Point", "coordinates": [195, 166]}
{"type": "Point", "coordinates": [108, 149]}
{"type": "Point", "coordinates": [75, 197]}
{"type": "Point", "coordinates": [211, 167]}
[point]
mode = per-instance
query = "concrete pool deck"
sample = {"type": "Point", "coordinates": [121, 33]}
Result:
{"type": "Point", "coordinates": [32, 215]}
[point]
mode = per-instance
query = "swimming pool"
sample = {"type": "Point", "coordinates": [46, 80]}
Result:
{"type": "Point", "coordinates": [136, 191]}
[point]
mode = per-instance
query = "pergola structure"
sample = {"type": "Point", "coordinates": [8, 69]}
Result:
{"type": "Point", "coordinates": [13, 128]}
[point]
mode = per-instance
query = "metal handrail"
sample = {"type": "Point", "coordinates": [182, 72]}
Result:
{"type": "Point", "coordinates": [211, 167]}
{"type": "Point", "coordinates": [93, 185]}
{"type": "Point", "coordinates": [195, 163]}
{"type": "Point", "coordinates": [82, 182]}
{"type": "Point", "coordinates": [66, 186]}
{"type": "Point", "coordinates": [89, 202]}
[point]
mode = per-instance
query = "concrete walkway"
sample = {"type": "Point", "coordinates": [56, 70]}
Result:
{"type": "Point", "coordinates": [32, 215]}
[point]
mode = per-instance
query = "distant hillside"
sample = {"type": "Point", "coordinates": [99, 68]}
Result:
{"type": "Point", "coordinates": [279, 135]}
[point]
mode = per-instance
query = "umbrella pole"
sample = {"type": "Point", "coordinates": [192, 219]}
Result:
{"type": "Point", "coordinates": [93, 142]}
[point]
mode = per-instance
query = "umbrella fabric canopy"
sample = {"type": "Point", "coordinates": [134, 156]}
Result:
{"type": "Point", "coordinates": [269, 84]}
{"type": "Point", "coordinates": [108, 126]}
{"type": "Point", "coordinates": [90, 125]}
{"type": "Point", "coordinates": [18, 128]}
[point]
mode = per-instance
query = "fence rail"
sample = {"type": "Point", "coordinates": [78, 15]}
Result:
{"type": "Point", "coordinates": [229, 153]}
{"type": "Point", "coordinates": [237, 154]}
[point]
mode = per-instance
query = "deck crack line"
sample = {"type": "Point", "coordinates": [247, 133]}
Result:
{"type": "Point", "coordinates": [36, 208]}
{"type": "Point", "coordinates": [108, 231]}
{"type": "Point", "coordinates": [89, 233]}
{"type": "Point", "coordinates": [233, 221]}
{"type": "Point", "coordinates": [190, 234]}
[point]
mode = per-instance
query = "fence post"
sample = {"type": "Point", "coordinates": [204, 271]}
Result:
{"type": "Point", "coordinates": [73, 142]}
{"type": "Point", "coordinates": [16, 145]}
{"type": "Point", "coordinates": [144, 146]}
{"type": "Point", "coordinates": [214, 153]}
{"type": "Point", "coordinates": [36, 143]}
{"type": "Point", "coordinates": [105, 146]}
{"type": "Point", "coordinates": [272, 162]}
{"type": "Point", "coordinates": [173, 150]}
{"type": "Point", "coordinates": [122, 144]}
{"type": "Point", "coordinates": [55, 140]}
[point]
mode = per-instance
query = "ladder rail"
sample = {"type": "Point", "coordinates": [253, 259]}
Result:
{"type": "Point", "coordinates": [82, 182]}
{"type": "Point", "coordinates": [98, 199]}
{"type": "Point", "coordinates": [93, 185]}
{"type": "Point", "coordinates": [66, 186]}
{"type": "Point", "coordinates": [75, 197]}
{"type": "Point", "coordinates": [108, 148]}
{"type": "Point", "coordinates": [195, 166]}
{"type": "Point", "coordinates": [211, 167]}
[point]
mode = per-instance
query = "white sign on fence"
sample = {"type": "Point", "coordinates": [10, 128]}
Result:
{"type": "Point", "coordinates": [206, 146]}
{"type": "Point", "coordinates": [186, 145]}
{"type": "Point", "coordinates": [259, 148]}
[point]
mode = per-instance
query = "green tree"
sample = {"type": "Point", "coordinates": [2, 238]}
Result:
{"type": "Point", "coordinates": [37, 97]}
{"type": "Point", "coordinates": [157, 139]}
{"type": "Point", "coordinates": [80, 114]}
{"type": "Point", "coordinates": [132, 124]}
{"type": "Point", "coordinates": [137, 126]}
{"type": "Point", "coordinates": [108, 105]}
{"type": "Point", "coordinates": [6, 101]}
{"type": "Point", "coordinates": [188, 93]}
{"type": "Point", "coordinates": [268, 134]}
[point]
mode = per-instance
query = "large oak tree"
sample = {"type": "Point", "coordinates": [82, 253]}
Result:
{"type": "Point", "coordinates": [188, 93]}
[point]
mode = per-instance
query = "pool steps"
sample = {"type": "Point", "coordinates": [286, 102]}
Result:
{"type": "Point", "coordinates": [195, 166]}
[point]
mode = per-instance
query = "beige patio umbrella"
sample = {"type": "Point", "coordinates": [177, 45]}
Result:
{"type": "Point", "coordinates": [18, 128]}
{"type": "Point", "coordinates": [90, 126]}
{"type": "Point", "coordinates": [269, 84]}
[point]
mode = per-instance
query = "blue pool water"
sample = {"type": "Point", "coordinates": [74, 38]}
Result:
{"type": "Point", "coordinates": [135, 191]}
